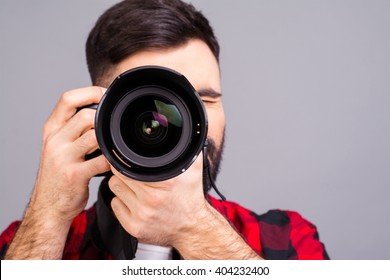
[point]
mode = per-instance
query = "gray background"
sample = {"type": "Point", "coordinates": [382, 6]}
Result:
{"type": "Point", "coordinates": [306, 93]}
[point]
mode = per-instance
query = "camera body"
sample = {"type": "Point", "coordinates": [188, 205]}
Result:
{"type": "Point", "coordinates": [151, 123]}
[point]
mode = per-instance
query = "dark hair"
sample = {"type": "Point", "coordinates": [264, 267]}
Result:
{"type": "Point", "coordinates": [135, 25]}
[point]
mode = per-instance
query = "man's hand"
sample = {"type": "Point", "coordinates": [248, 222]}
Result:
{"type": "Point", "coordinates": [63, 177]}
{"type": "Point", "coordinates": [61, 190]}
{"type": "Point", "coordinates": [157, 212]}
{"type": "Point", "coordinates": [175, 213]}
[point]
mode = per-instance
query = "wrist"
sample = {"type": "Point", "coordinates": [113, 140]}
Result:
{"type": "Point", "coordinates": [38, 237]}
{"type": "Point", "coordinates": [46, 221]}
{"type": "Point", "coordinates": [43, 209]}
{"type": "Point", "coordinates": [211, 236]}
{"type": "Point", "coordinates": [196, 227]}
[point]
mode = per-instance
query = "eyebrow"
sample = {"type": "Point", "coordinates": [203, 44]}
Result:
{"type": "Point", "coordinates": [208, 92]}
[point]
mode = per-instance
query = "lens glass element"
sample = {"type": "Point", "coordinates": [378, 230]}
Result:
{"type": "Point", "coordinates": [151, 126]}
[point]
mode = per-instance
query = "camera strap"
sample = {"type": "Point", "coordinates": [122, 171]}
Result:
{"type": "Point", "coordinates": [208, 181]}
{"type": "Point", "coordinates": [116, 239]}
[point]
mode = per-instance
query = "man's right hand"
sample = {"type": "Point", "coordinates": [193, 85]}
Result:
{"type": "Point", "coordinates": [61, 190]}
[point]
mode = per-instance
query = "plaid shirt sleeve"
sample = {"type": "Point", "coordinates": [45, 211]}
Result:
{"type": "Point", "coordinates": [6, 238]}
{"type": "Point", "coordinates": [277, 234]}
{"type": "Point", "coordinates": [81, 244]}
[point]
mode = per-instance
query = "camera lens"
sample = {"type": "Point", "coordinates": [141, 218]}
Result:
{"type": "Point", "coordinates": [151, 126]}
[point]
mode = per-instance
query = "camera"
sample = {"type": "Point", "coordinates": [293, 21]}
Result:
{"type": "Point", "coordinates": [151, 123]}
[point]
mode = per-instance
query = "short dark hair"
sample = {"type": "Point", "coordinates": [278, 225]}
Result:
{"type": "Point", "coordinates": [135, 25]}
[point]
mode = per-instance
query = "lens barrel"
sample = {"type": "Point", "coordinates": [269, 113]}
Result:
{"type": "Point", "coordinates": [151, 123]}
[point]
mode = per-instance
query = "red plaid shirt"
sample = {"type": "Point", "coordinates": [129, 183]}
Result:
{"type": "Point", "coordinates": [274, 235]}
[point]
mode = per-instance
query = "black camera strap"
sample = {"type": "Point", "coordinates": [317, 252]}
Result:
{"type": "Point", "coordinates": [116, 239]}
{"type": "Point", "coordinates": [208, 181]}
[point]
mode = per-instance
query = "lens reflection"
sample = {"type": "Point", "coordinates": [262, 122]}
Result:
{"type": "Point", "coordinates": [151, 126]}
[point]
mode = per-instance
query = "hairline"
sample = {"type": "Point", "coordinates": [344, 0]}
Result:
{"type": "Point", "coordinates": [109, 70]}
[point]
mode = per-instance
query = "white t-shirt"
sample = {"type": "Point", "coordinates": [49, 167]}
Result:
{"type": "Point", "coordinates": [153, 252]}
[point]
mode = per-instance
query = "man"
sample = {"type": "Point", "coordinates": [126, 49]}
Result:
{"type": "Point", "coordinates": [172, 218]}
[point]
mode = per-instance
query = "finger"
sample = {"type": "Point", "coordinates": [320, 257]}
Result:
{"type": "Point", "coordinates": [86, 143]}
{"type": "Point", "coordinates": [137, 187]}
{"type": "Point", "coordinates": [122, 213]}
{"type": "Point", "coordinates": [94, 166]}
{"type": "Point", "coordinates": [69, 102]}
{"type": "Point", "coordinates": [122, 191]}
{"type": "Point", "coordinates": [82, 122]}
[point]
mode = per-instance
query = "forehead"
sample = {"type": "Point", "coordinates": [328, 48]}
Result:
{"type": "Point", "coordinates": [194, 60]}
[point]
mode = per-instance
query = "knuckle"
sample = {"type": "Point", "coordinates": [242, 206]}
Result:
{"type": "Point", "coordinates": [145, 215]}
{"type": "Point", "coordinates": [86, 116]}
{"type": "Point", "coordinates": [70, 175]}
{"type": "Point", "coordinates": [116, 188]}
{"type": "Point", "coordinates": [50, 147]}
{"type": "Point", "coordinates": [86, 140]}
{"type": "Point", "coordinates": [46, 131]}
{"type": "Point", "coordinates": [114, 183]}
{"type": "Point", "coordinates": [66, 98]}
{"type": "Point", "coordinates": [152, 199]}
{"type": "Point", "coordinates": [95, 168]}
{"type": "Point", "coordinates": [134, 230]}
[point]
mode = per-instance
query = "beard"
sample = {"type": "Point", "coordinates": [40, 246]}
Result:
{"type": "Point", "coordinates": [215, 156]}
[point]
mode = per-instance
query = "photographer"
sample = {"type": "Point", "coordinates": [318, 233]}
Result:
{"type": "Point", "coordinates": [173, 218]}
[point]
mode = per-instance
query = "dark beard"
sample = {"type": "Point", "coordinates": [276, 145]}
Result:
{"type": "Point", "coordinates": [215, 157]}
